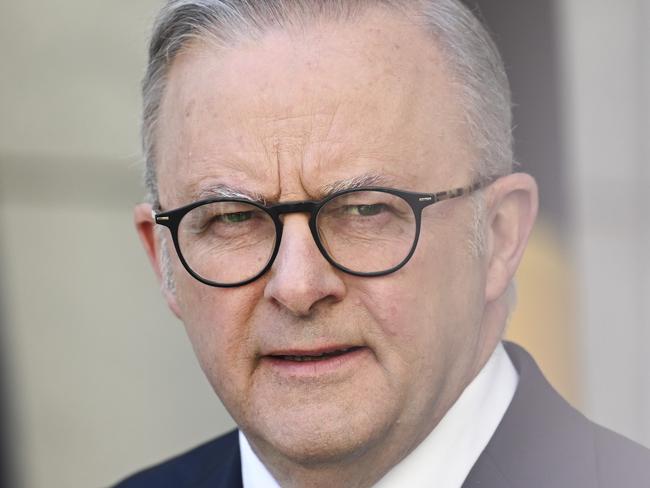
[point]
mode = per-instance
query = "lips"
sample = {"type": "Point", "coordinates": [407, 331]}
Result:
{"type": "Point", "coordinates": [333, 363]}
{"type": "Point", "coordinates": [303, 356]}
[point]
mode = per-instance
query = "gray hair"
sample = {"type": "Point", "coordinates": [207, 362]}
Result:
{"type": "Point", "coordinates": [466, 45]}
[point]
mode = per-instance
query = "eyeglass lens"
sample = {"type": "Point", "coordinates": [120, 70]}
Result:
{"type": "Point", "coordinates": [363, 231]}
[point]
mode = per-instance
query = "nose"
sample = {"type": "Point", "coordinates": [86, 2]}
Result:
{"type": "Point", "coordinates": [301, 278]}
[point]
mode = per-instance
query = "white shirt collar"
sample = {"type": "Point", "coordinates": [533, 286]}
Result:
{"type": "Point", "coordinates": [254, 473]}
{"type": "Point", "coordinates": [446, 456]}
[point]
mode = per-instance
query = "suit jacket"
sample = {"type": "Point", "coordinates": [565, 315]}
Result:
{"type": "Point", "coordinates": [541, 442]}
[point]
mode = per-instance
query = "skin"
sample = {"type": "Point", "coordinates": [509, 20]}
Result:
{"type": "Point", "coordinates": [285, 117]}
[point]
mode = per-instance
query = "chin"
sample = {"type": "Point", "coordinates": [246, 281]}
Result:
{"type": "Point", "coordinates": [320, 435]}
{"type": "Point", "coordinates": [320, 448]}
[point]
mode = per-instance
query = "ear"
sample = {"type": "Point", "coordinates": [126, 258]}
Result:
{"type": "Point", "coordinates": [512, 208]}
{"type": "Point", "coordinates": [145, 227]}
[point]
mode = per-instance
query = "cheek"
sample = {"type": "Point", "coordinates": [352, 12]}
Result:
{"type": "Point", "coordinates": [446, 263]}
{"type": "Point", "coordinates": [430, 302]}
{"type": "Point", "coordinates": [216, 320]}
{"type": "Point", "coordinates": [401, 323]}
{"type": "Point", "coordinates": [412, 337]}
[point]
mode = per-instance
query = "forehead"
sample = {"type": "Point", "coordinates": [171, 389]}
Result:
{"type": "Point", "coordinates": [297, 111]}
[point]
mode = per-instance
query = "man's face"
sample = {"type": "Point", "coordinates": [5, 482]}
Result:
{"type": "Point", "coordinates": [286, 117]}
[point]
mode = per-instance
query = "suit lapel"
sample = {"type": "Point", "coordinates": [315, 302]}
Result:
{"type": "Point", "coordinates": [541, 440]}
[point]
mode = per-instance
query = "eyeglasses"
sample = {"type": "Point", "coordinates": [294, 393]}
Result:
{"type": "Point", "coordinates": [228, 242]}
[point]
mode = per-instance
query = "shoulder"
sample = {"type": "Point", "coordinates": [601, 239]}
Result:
{"type": "Point", "coordinates": [201, 466]}
{"type": "Point", "coordinates": [543, 441]}
{"type": "Point", "coordinates": [620, 461]}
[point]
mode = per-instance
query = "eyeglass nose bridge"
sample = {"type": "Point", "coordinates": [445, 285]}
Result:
{"type": "Point", "coordinates": [294, 207]}
{"type": "Point", "coordinates": [309, 207]}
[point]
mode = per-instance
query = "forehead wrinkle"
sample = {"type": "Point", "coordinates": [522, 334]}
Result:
{"type": "Point", "coordinates": [286, 130]}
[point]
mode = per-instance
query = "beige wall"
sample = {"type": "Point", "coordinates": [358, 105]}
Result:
{"type": "Point", "coordinates": [102, 379]}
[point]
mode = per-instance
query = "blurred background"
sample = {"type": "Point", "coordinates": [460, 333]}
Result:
{"type": "Point", "coordinates": [97, 377]}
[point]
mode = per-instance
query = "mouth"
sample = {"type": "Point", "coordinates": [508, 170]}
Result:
{"type": "Point", "coordinates": [310, 356]}
{"type": "Point", "coordinates": [328, 362]}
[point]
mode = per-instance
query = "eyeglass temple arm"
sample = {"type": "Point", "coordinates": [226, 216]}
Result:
{"type": "Point", "coordinates": [458, 192]}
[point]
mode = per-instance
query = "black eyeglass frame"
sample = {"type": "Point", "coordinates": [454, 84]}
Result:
{"type": "Point", "coordinates": [417, 201]}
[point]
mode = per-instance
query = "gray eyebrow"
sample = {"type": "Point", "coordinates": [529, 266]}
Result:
{"type": "Point", "coordinates": [221, 190]}
{"type": "Point", "coordinates": [368, 179]}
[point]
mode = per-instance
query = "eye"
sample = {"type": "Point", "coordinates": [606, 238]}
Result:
{"type": "Point", "coordinates": [220, 217]}
{"type": "Point", "coordinates": [366, 210]}
{"type": "Point", "coordinates": [234, 217]}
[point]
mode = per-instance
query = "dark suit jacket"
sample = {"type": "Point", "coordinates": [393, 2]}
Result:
{"type": "Point", "coordinates": [541, 442]}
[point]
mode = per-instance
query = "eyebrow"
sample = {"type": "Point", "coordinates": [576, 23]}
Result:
{"type": "Point", "coordinates": [221, 190]}
{"type": "Point", "coordinates": [364, 180]}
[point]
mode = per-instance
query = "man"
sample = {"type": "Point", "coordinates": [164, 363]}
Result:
{"type": "Point", "coordinates": [334, 218]}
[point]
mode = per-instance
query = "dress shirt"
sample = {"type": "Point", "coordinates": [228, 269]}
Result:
{"type": "Point", "coordinates": [446, 456]}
